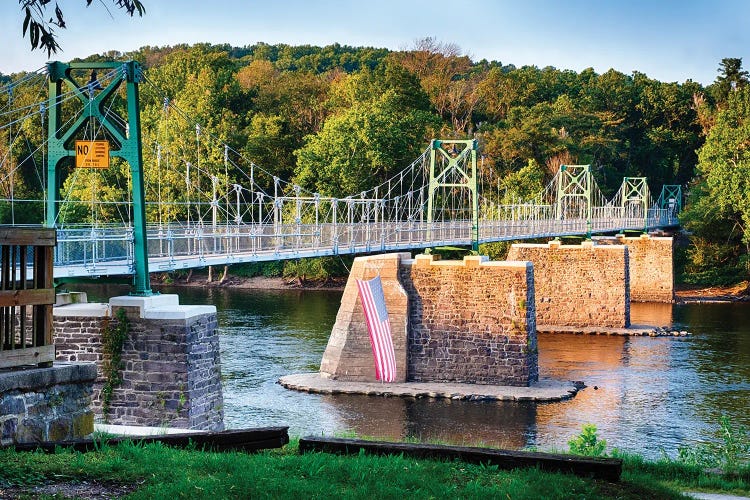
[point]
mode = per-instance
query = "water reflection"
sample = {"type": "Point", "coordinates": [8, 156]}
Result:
{"type": "Point", "coordinates": [498, 424]}
{"type": "Point", "coordinates": [650, 313]}
{"type": "Point", "coordinates": [644, 394]}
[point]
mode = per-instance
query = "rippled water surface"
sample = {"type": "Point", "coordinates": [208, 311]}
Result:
{"type": "Point", "coordinates": [644, 394]}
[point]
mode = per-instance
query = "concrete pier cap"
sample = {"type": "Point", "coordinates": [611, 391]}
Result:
{"type": "Point", "coordinates": [165, 306]}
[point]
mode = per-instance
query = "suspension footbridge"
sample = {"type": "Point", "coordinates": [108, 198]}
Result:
{"type": "Point", "coordinates": [203, 203]}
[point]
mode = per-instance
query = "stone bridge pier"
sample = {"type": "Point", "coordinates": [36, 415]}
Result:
{"type": "Point", "coordinates": [579, 285]}
{"type": "Point", "coordinates": [469, 321]}
{"type": "Point", "coordinates": [592, 284]}
{"type": "Point", "coordinates": [475, 321]}
{"type": "Point", "coordinates": [651, 260]}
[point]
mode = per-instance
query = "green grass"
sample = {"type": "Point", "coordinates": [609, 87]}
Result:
{"type": "Point", "coordinates": [162, 472]}
{"type": "Point", "coordinates": [677, 475]}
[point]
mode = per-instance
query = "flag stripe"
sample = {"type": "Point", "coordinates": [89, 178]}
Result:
{"type": "Point", "coordinates": [365, 296]}
{"type": "Point", "coordinates": [379, 328]}
{"type": "Point", "coordinates": [372, 329]}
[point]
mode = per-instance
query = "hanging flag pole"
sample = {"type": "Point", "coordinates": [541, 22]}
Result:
{"type": "Point", "coordinates": [379, 328]}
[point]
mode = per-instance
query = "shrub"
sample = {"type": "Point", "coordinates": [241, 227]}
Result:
{"type": "Point", "coordinates": [588, 443]}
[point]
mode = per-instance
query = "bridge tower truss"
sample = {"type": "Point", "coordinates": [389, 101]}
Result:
{"type": "Point", "coordinates": [453, 164]}
{"type": "Point", "coordinates": [635, 199]}
{"type": "Point", "coordinates": [671, 199]}
{"type": "Point", "coordinates": [574, 188]}
{"type": "Point", "coordinates": [125, 133]}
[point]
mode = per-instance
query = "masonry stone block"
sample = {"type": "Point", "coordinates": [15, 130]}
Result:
{"type": "Point", "coordinates": [46, 404]}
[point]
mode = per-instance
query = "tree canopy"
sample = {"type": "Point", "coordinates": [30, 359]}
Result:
{"type": "Point", "coordinates": [340, 119]}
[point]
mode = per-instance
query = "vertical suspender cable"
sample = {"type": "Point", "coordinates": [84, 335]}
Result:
{"type": "Point", "coordinates": [158, 181]}
{"type": "Point", "coordinates": [198, 169]}
{"type": "Point", "coordinates": [226, 184]}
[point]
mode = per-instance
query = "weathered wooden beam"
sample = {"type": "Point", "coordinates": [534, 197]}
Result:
{"type": "Point", "coordinates": [600, 468]}
{"type": "Point", "coordinates": [38, 237]}
{"type": "Point", "coordinates": [30, 297]}
{"type": "Point", "coordinates": [27, 356]}
{"type": "Point", "coordinates": [262, 438]}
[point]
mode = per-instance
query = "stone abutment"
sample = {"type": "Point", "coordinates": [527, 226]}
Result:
{"type": "Point", "coordinates": [170, 372]}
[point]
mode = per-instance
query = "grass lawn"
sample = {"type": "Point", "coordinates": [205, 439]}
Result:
{"type": "Point", "coordinates": [156, 471]}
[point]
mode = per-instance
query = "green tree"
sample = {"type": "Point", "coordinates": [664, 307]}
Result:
{"type": "Point", "coordinates": [731, 77]}
{"type": "Point", "coordinates": [380, 125]}
{"type": "Point", "coordinates": [206, 109]}
{"type": "Point", "coordinates": [719, 212]}
{"type": "Point", "coordinates": [666, 131]}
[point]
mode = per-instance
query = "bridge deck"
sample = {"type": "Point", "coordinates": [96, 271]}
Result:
{"type": "Point", "coordinates": [90, 252]}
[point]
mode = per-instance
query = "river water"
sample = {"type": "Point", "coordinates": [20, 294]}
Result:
{"type": "Point", "coordinates": [646, 395]}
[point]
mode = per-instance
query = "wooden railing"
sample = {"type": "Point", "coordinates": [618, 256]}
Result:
{"type": "Point", "coordinates": [27, 295]}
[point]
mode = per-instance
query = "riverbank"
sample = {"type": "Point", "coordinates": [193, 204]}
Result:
{"type": "Point", "coordinates": [697, 294]}
{"type": "Point", "coordinates": [250, 283]}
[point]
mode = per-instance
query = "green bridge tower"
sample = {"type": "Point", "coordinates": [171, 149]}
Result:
{"type": "Point", "coordinates": [574, 193]}
{"type": "Point", "coordinates": [453, 164]}
{"type": "Point", "coordinates": [123, 139]}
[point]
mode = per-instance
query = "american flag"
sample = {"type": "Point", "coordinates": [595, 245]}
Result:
{"type": "Point", "coordinates": [379, 328]}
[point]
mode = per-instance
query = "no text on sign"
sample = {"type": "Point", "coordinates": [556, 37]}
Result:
{"type": "Point", "coordinates": [92, 154]}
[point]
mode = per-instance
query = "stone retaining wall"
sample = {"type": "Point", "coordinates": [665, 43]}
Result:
{"type": "Point", "coordinates": [455, 321]}
{"type": "Point", "coordinates": [579, 285]}
{"type": "Point", "coordinates": [46, 404]}
{"type": "Point", "coordinates": [171, 374]}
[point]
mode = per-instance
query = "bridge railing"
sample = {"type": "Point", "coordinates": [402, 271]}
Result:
{"type": "Point", "coordinates": [88, 246]}
{"type": "Point", "coordinates": [93, 251]}
{"type": "Point", "coordinates": [174, 242]}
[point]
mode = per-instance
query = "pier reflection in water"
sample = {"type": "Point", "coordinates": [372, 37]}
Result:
{"type": "Point", "coordinates": [508, 425]}
{"type": "Point", "coordinates": [651, 394]}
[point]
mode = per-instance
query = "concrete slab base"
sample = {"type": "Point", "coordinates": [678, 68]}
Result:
{"type": "Point", "coordinates": [136, 430]}
{"type": "Point", "coordinates": [633, 330]}
{"type": "Point", "coordinates": [545, 390]}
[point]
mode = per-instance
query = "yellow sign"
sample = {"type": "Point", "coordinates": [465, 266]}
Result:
{"type": "Point", "coordinates": [92, 154]}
